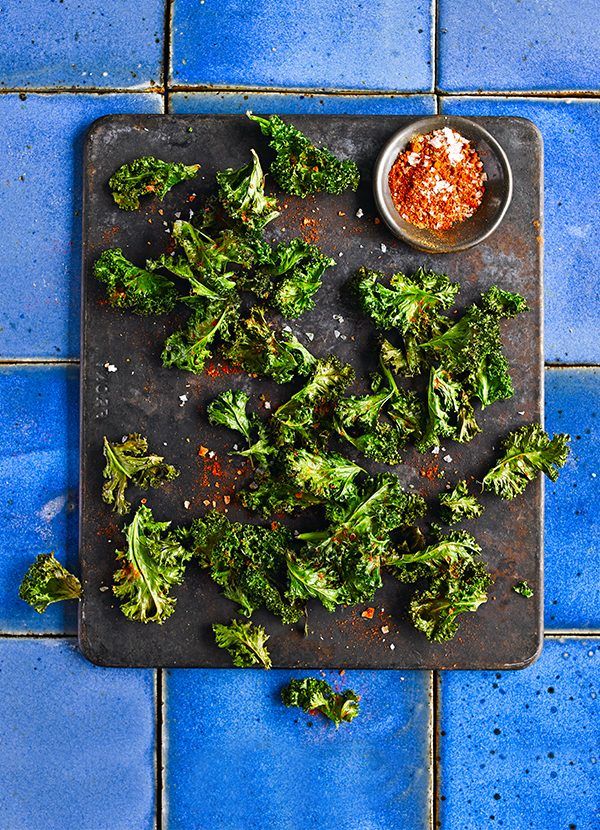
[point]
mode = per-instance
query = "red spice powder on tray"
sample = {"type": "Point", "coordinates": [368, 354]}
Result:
{"type": "Point", "coordinates": [437, 181]}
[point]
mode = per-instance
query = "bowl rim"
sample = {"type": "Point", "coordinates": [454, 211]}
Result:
{"type": "Point", "coordinates": [427, 124]}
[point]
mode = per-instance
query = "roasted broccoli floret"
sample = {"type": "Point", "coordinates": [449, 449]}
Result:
{"type": "Point", "coordinates": [295, 270]}
{"type": "Point", "coordinates": [242, 195]}
{"type": "Point", "coordinates": [146, 176]}
{"type": "Point", "coordinates": [526, 452]}
{"type": "Point", "coordinates": [190, 348]}
{"type": "Point", "coordinates": [314, 695]}
{"type": "Point", "coordinates": [135, 289]}
{"type": "Point", "coordinates": [47, 581]}
{"type": "Point", "coordinates": [300, 168]}
{"type": "Point", "coordinates": [127, 463]}
{"type": "Point", "coordinates": [259, 349]}
{"type": "Point", "coordinates": [153, 562]}
{"type": "Point", "coordinates": [245, 642]}
{"type": "Point", "coordinates": [248, 562]}
{"type": "Point", "coordinates": [457, 505]}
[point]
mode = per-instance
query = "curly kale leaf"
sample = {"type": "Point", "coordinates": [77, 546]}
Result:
{"type": "Point", "coordinates": [295, 270]}
{"type": "Point", "coordinates": [47, 581]}
{"type": "Point", "coordinates": [128, 462]}
{"type": "Point", "coordinates": [152, 564]}
{"type": "Point", "coordinates": [213, 254]}
{"type": "Point", "coordinates": [300, 168]}
{"type": "Point", "coordinates": [326, 475]}
{"type": "Point", "coordinates": [308, 581]}
{"type": "Point", "coordinates": [450, 411]}
{"type": "Point", "coordinates": [259, 349]}
{"type": "Point", "coordinates": [446, 551]}
{"type": "Point", "coordinates": [242, 195]}
{"type": "Point", "coordinates": [146, 176]}
{"type": "Point", "coordinates": [435, 610]}
{"type": "Point", "coordinates": [383, 443]}
{"type": "Point", "coordinates": [314, 695]}
{"type": "Point", "coordinates": [526, 452]}
{"type": "Point", "coordinates": [190, 348]}
{"type": "Point", "coordinates": [524, 589]}
{"type": "Point", "coordinates": [458, 504]}
{"type": "Point", "coordinates": [248, 562]}
{"type": "Point", "coordinates": [203, 284]}
{"type": "Point", "coordinates": [300, 419]}
{"type": "Point", "coordinates": [245, 642]}
{"type": "Point", "coordinates": [271, 495]}
{"type": "Point", "coordinates": [229, 410]}
{"type": "Point", "coordinates": [136, 289]}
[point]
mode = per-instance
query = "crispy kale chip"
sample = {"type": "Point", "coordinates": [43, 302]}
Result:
{"type": "Point", "coordinates": [259, 349]}
{"type": "Point", "coordinates": [526, 452]}
{"type": "Point", "coordinates": [326, 475]}
{"type": "Point", "coordinates": [273, 494]}
{"type": "Point", "coordinates": [247, 561]}
{"type": "Point", "coordinates": [212, 255]}
{"type": "Point", "coordinates": [295, 270]}
{"type": "Point", "coordinates": [457, 505]}
{"type": "Point", "coordinates": [47, 581]}
{"type": "Point", "coordinates": [450, 411]}
{"type": "Point", "coordinates": [314, 695]}
{"type": "Point", "coordinates": [229, 410]}
{"type": "Point", "coordinates": [128, 463]}
{"type": "Point", "coordinates": [446, 551]}
{"type": "Point", "coordinates": [140, 290]}
{"type": "Point", "coordinates": [145, 176]}
{"type": "Point", "coordinates": [191, 347]}
{"type": "Point", "coordinates": [301, 419]}
{"type": "Point", "coordinates": [300, 168]}
{"type": "Point", "coordinates": [242, 195]}
{"type": "Point", "coordinates": [435, 611]}
{"type": "Point", "coordinates": [153, 562]}
{"type": "Point", "coordinates": [245, 642]}
{"type": "Point", "coordinates": [524, 589]}
{"type": "Point", "coordinates": [346, 557]}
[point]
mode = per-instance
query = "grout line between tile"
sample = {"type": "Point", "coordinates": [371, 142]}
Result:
{"type": "Point", "coordinates": [572, 634]}
{"type": "Point", "coordinates": [435, 752]}
{"type": "Point", "coordinates": [166, 57]}
{"type": "Point", "coordinates": [434, 46]}
{"type": "Point", "coordinates": [79, 90]}
{"type": "Point", "coordinates": [35, 635]}
{"type": "Point", "coordinates": [159, 750]}
{"type": "Point", "coordinates": [532, 93]}
{"type": "Point", "coordinates": [37, 361]}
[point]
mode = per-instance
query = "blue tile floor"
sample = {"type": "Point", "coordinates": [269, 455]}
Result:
{"type": "Point", "coordinates": [86, 748]}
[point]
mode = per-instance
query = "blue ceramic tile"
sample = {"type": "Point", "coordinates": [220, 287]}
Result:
{"type": "Point", "coordinates": [571, 131]}
{"type": "Point", "coordinates": [38, 485]}
{"type": "Point", "coordinates": [71, 43]}
{"type": "Point", "coordinates": [572, 540]}
{"type": "Point", "coordinates": [515, 45]}
{"type": "Point", "coordinates": [236, 757]}
{"type": "Point", "coordinates": [520, 749]}
{"type": "Point", "coordinates": [40, 215]}
{"type": "Point", "coordinates": [291, 103]}
{"type": "Point", "coordinates": [77, 741]}
{"type": "Point", "coordinates": [320, 44]}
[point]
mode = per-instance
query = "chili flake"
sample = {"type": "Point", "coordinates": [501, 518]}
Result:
{"type": "Point", "coordinates": [437, 181]}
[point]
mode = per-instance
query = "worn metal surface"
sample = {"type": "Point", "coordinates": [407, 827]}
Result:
{"type": "Point", "coordinates": [143, 396]}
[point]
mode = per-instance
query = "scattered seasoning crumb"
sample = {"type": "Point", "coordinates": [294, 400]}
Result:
{"type": "Point", "coordinates": [267, 404]}
{"type": "Point", "coordinates": [383, 248]}
{"type": "Point", "coordinates": [448, 459]}
{"type": "Point", "coordinates": [431, 473]}
{"type": "Point", "coordinates": [186, 504]}
{"type": "Point", "coordinates": [435, 451]}
{"type": "Point", "coordinates": [310, 335]}
{"type": "Point", "coordinates": [438, 180]}
{"type": "Point", "coordinates": [227, 499]}
{"type": "Point", "coordinates": [110, 367]}
{"type": "Point", "coordinates": [104, 588]}
{"type": "Point", "coordinates": [368, 613]}
{"type": "Point", "coordinates": [385, 629]}
{"type": "Point", "coordinates": [360, 213]}
{"type": "Point", "coordinates": [521, 412]}
{"type": "Point", "coordinates": [203, 451]}
{"type": "Point", "coordinates": [336, 333]}
{"type": "Point", "coordinates": [341, 213]}
{"type": "Point", "coordinates": [183, 399]}
{"type": "Point", "coordinates": [392, 647]}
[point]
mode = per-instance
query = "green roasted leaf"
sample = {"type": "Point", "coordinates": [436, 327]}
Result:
{"type": "Point", "coordinates": [190, 348]}
{"type": "Point", "coordinates": [526, 452]}
{"type": "Point", "coordinates": [245, 642]}
{"type": "Point", "coordinates": [314, 695]}
{"type": "Point", "coordinates": [140, 290]}
{"type": "Point", "coordinates": [151, 565]}
{"type": "Point", "coordinates": [147, 176]}
{"type": "Point", "coordinates": [242, 195]}
{"type": "Point", "coordinates": [458, 505]}
{"type": "Point", "coordinates": [524, 589]}
{"type": "Point", "coordinates": [47, 581]}
{"type": "Point", "coordinates": [128, 463]}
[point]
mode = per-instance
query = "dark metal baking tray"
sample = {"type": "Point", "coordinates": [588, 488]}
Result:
{"type": "Point", "coordinates": [143, 396]}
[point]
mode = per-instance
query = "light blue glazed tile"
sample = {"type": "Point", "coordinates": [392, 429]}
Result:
{"type": "Point", "coordinates": [515, 45]}
{"type": "Point", "coordinates": [39, 436]}
{"type": "Point", "coordinates": [572, 538]}
{"type": "Point", "coordinates": [71, 43]}
{"type": "Point", "coordinates": [237, 758]}
{"type": "Point", "coordinates": [77, 741]}
{"type": "Point", "coordinates": [571, 132]}
{"type": "Point", "coordinates": [520, 749]}
{"type": "Point", "coordinates": [321, 44]}
{"type": "Point", "coordinates": [40, 215]}
{"type": "Point", "coordinates": [291, 103]}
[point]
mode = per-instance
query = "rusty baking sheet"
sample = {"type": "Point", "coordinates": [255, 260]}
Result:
{"type": "Point", "coordinates": [144, 397]}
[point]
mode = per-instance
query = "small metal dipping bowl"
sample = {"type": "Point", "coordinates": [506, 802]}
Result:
{"type": "Point", "coordinates": [462, 235]}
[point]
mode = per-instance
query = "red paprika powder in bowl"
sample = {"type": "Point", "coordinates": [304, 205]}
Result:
{"type": "Point", "coordinates": [442, 184]}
